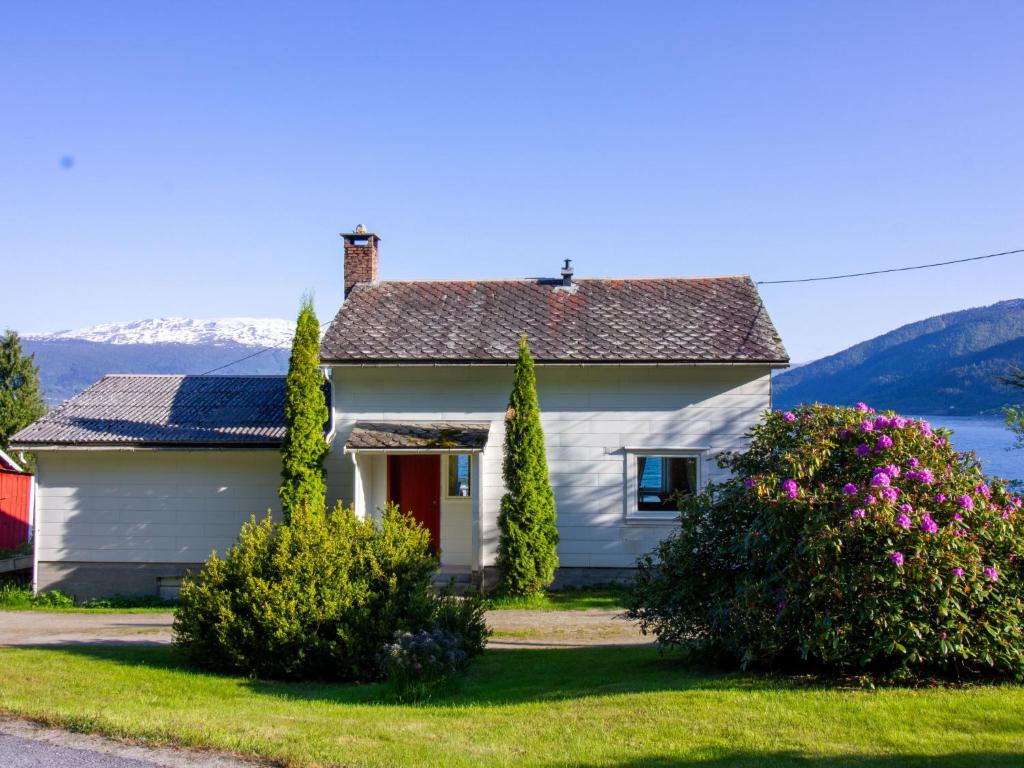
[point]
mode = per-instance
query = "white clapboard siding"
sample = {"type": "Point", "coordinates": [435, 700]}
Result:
{"type": "Point", "coordinates": [150, 506]}
{"type": "Point", "coordinates": [589, 415]}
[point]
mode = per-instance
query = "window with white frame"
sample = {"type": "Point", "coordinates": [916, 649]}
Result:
{"type": "Point", "coordinates": [459, 476]}
{"type": "Point", "coordinates": [656, 481]}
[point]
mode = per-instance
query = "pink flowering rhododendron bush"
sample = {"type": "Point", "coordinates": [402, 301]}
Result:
{"type": "Point", "coordinates": [847, 540]}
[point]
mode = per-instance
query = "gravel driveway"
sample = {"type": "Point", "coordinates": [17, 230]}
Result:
{"type": "Point", "coordinates": [512, 629]}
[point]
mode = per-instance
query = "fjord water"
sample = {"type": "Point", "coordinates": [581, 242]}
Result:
{"type": "Point", "coordinates": [989, 439]}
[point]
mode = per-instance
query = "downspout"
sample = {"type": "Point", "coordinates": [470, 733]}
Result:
{"type": "Point", "coordinates": [33, 530]}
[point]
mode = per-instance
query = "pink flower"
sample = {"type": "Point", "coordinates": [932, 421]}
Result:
{"type": "Point", "coordinates": [790, 488]}
{"type": "Point", "coordinates": [880, 479]}
{"type": "Point", "coordinates": [892, 470]}
{"type": "Point", "coordinates": [927, 524]}
{"type": "Point", "coordinates": [958, 517]}
{"type": "Point", "coordinates": [899, 422]}
{"type": "Point", "coordinates": [1005, 515]}
{"type": "Point", "coordinates": [881, 422]}
{"type": "Point", "coordinates": [896, 557]}
{"type": "Point", "coordinates": [960, 532]}
{"type": "Point", "coordinates": [862, 407]}
{"type": "Point", "coordinates": [914, 462]}
{"type": "Point", "coordinates": [867, 426]}
{"type": "Point", "coordinates": [883, 443]}
{"type": "Point", "coordinates": [958, 572]}
{"type": "Point", "coordinates": [903, 521]}
{"type": "Point", "coordinates": [991, 574]}
{"type": "Point", "coordinates": [965, 502]}
{"type": "Point", "coordinates": [859, 512]}
{"type": "Point", "coordinates": [849, 489]}
{"type": "Point", "coordinates": [750, 482]}
{"type": "Point", "coordinates": [870, 499]}
{"type": "Point", "coordinates": [940, 497]}
{"type": "Point", "coordinates": [906, 508]}
{"type": "Point", "coordinates": [984, 490]}
{"type": "Point", "coordinates": [890, 494]}
{"type": "Point", "coordinates": [789, 416]}
{"type": "Point", "coordinates": [863, 449]}
{"type": "Point", "coordinates": [925, 477]}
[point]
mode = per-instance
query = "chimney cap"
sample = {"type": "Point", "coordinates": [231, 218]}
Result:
{"type": "Point", "coordinates": [567, 273]}
{"type": "Point", "coordinates": [360, 233]}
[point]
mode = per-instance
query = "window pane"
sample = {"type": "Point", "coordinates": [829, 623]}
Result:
{"type": "Point", "coordinates": [458, 475]}
{"type": "Point", "coordinates": [663, 480]}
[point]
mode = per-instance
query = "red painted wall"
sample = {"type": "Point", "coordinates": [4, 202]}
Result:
{"type": "Point", "coordinates": [15, 490]}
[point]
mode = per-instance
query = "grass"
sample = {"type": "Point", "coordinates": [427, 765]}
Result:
{"type": "Point", "coordinates": [19, 597]}
{"type": "Point", "coordinates": [607, 597]}
{"type": "Point", "coordinates": [621, 707]}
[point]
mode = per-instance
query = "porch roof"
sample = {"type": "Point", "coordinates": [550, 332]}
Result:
{"type": "Point", "coordinates": [418, 435]}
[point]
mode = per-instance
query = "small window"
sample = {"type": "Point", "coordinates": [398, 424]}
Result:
{"type": "Point", "coordinates": [459, 475]}
{"type": "Point", "coordinates": [657, 483]}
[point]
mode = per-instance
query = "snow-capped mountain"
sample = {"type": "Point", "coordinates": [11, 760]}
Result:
{"type": "Point", "coordinates": [248, 331]}
{"type": "Point", "coordinates": [69, 361]}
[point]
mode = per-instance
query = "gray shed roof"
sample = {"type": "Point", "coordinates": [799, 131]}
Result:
{"type": "Point", "coordinates": [656, 320]}
{"type": "Point", "coordinates": [419, 435]}
{"type": "Point", "coordinates": [137, 410]}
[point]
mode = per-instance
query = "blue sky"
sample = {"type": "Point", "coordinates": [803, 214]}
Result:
{"type": "Point", "coordinates": [199, 159]}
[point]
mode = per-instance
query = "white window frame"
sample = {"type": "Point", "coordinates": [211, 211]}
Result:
{"type": "Point", "coordinates": [633, 513]}
{"type": "Point", "coordinates": [444, 476]}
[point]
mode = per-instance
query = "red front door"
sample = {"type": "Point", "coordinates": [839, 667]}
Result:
{"type": "Point", "coordinates": [414, 484]}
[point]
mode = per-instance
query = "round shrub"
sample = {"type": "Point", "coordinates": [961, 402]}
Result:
{"type": "Point", "coordinates": [318, 597]}
{"type": "Point", "coordinates": [847, 541]}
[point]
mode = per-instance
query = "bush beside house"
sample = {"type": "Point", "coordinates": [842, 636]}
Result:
{"type": "Point", "coordinates": [527, 555]}
{"type": "Point", "coordinates": [847, 541]}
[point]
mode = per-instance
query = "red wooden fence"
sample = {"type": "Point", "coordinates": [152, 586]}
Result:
{"type": "Point", "coordinates": [15, 490]}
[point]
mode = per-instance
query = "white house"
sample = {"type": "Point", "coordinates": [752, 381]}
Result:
{"type": "Point", "coordinates": [642, 383]}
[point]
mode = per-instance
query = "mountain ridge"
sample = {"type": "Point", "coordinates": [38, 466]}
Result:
{"type": "Point", "coordinates": [945, 364]}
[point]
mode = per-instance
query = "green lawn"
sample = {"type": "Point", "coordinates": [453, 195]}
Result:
{"type": "Point", "coordinates": [566, 600]}
{"type": "Point", "coordinates": [592, 707]}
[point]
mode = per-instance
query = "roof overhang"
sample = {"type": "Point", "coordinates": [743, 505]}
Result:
{"type": "Point", "coordinates": [235, 446]}
{"type": "Point", "coordinates": [418, 437]}
{"type": "Point", "coordinates": [559, 363]}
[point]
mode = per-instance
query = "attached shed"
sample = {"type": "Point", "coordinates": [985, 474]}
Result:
{"type": "Point", "coordinates": [15, 503]}
{"type": "Point", "coordinates": [140, 478]}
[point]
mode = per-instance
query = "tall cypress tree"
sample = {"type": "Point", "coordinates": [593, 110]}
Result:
{"type": "Point", "coordinates": [529, 534]}
{"type": "Point", "coordinates": [305, 412]}
{"type": "Point", "coordinates": [21, 397]}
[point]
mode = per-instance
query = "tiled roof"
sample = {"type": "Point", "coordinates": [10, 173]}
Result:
{"type": "Point", "coordinates": [123, 409]}
{"type": "Point", "coordinates": [451, 435]}
{"type": "Point", "coordinates": [701, 320]}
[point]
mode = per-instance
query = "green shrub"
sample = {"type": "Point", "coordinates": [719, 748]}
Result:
{"type": "Point", "coordinates": [465, 617]}
{"type": "Point", "coordinates": [316, 598]}
{"type": "Point", "coordinates": [129, 601]}
{"type": "Point", "coordinates": [19, 596]}
{"type": "Point", "coordinates": [847, 541]}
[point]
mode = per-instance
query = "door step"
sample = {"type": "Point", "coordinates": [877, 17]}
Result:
{"type": "Point", "coordinates": [458, 581]}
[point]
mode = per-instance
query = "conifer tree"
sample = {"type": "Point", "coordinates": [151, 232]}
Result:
{"type": "Point", "coordinates": [21, 397]}
{"type": "Point", "coordinates": [305, 412]}
{"type": "Point", "coordinates": [529, 535]}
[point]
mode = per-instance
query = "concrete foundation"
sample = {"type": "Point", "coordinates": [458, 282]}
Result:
{"type": "Point", "coordinates": [90, 580]}
{"type": "Point", "coordinates": [566, 578]}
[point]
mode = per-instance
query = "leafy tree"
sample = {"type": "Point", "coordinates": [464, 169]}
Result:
{"type": "Point", "coordinates": [305, 412]}
{"type": "Point", "coordinates": [21, 398]}
{"type": "Point", "coordinates": [1015, 414]}
{"type": "Point", "coordinates": [526, 551]}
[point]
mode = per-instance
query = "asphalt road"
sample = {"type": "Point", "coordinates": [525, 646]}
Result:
{"type": "Point", "coordinates": [27, 745]}
{"type": "Point", "coordinates": [16, 752]}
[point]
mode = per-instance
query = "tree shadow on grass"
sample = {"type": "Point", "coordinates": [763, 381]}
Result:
{"type": "Point", "coordinates": [497, 677]}
{"type": "Point", "coordinates": [790, 759]}
{"type": "Point", "coordinates": [502, 677]}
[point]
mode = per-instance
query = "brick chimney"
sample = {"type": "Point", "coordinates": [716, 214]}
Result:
{"type": "Point", "coordinates": [362, 262]}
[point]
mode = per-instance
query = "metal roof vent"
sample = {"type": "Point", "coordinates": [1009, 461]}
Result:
{"type": "Point", "coordinates": [567, 274]}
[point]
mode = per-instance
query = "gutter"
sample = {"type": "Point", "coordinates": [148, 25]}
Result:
{"type": "Point", "coordinates": [544, 364]}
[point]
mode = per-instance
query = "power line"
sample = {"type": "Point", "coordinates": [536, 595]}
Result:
{"type": "Point", "coordinates": [887, 271]}
{"type": "Point", "coordinates": [250, 356]}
